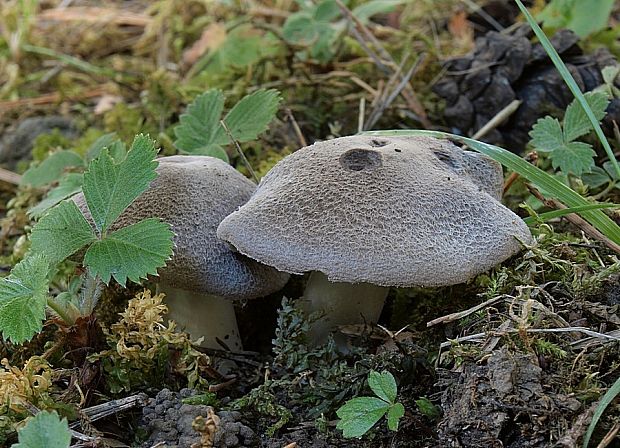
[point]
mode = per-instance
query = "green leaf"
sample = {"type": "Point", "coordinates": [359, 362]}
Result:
{"type": "Point", "coordinates": [98, 145]}
{"type": "Point", "coordinates": [571, 83]}
{"type": "Point", "coordinates": [69, 184]}
{"type": "Point", "coordinates": [326, 11]}
{"type": "Point", "coordinates": [597, 177]}
{"type": "Point", "coordinates": [23, 296]}
{"type": "Point", "coordinates": [110, 187]}
{"type": "Point", "coordinates": [44, 430]}
{"type": "Point", "coordinates": [132, 252]}
{"type": "Point", "coordinates": [530, 220]}
{"type": "Point", "coordinates": [51, 168]}
{"type": "Point", "coordinates": [383, 385]}
{"type": "Point", "coordinates": [547, 135]}
{"type": "Point", "coordinates": [576, 121]}
{"type": "Point", "coordinates": [589, 16]}
{"type": "Point", "coordinates": [367, 10]}
{"type": "Point", "coordinates": [300, 29]}
{"type": "Point", "coordinates": [574, 157]}
{"type": "Point", "coordinates": [61, 232]}
{"type": "Point", "coordinates": [251, 115]}
{"type": "Point", "coordinates": [609, 396]}
{"type": "Point", "coordinates": [544, 181]}
{"type": "Point", "coordinates": [198, 131]}
{"type": "Point", "coordinates": [360, 414]}
{"type": "Point", "coordinates": [427, 408]}
{"type": "Point", "coordinates": [394, 414]}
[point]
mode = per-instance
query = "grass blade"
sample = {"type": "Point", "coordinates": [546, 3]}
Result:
{"type": "Point", "coordinates": [566, 211]}
{"type": "Point", "coordinates": [570, 82]}
{"type": "Point", "coordinates": [611, 394]}
{"type": "Point", "coordinates": [538, 177]}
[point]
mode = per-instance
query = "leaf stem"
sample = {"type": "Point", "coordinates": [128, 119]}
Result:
{"type": "Point", "coordinates": [59, 310]}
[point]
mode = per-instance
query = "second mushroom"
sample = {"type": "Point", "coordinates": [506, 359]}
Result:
{"type": "Point", "coordinates": [366, 213]}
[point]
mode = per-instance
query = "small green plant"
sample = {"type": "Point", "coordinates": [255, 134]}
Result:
{"type": "Point", "coordinates": [360, 414]}
{"type": "Point", "coordinates": [200, 131]}
{"type": "Point", "coordinates": [559, 140]}
{"type": "Point", "coordinates": [44, 430]}
{"type": "Point", "coordinates": [131, 252]}
{"type": "Point", "coordinates": [315, 26]}
{"type": "Point", "coordinates": [584, 17]}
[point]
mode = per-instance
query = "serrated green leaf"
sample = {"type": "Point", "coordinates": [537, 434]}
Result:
{"type": "Point", "coordinates": [570, 82]}
{"type": "Point", "coordinates": [198, 131]}
{"type": "Point", "coordinates": [132, 252]}
{"type": "Point", "coordinates": [51, 168]}
{"type": "Point", "coordinates": [394, 414]}
{"type": "Point", "coordinates": [110, 187]}
{"type": "Point", "coordinates": [97, 146]}
{"type": "Point", "coordinates": [69, 184]}
{"type": "Point", "coordinates": [576, 122]}
{"type": "Point", "coordinates": [597, 177]}
{"type": "Point", "coordinates": [251, 115]}
{"type": "Point", "coordinates": [61, 232]}
{"type": "Point", "coordinates": [44, 430]}
{"type": "Point", "coordinates": [23, 297]}
{"type": "Point", "coordinates": [574, 157]}
{"type": "Point", "coordinates": [383, 385]}
{"type": "Point", "coordinates": [547, 135]}
{"type": "Point", "coordinates": [360, 414]}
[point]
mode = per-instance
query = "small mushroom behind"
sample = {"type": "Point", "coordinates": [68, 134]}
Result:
{"type": "Point", "coordinates": [365, 213]}
{"type": "Point", "coordinates": [194, 194]}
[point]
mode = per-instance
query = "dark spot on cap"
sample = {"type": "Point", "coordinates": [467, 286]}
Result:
{"type": "Point", "coordinates": [361, 159]}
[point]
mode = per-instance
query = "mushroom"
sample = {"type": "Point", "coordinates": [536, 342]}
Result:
{"type": "Point", "coordinates": [365, 213]}
{"type": "Point", "coordinates": [193, 194]}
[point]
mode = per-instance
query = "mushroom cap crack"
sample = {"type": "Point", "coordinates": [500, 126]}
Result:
{"type": "Point", "coordinates": [412, 211]}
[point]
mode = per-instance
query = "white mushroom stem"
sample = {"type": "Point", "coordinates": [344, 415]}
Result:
{"type": "Point", "coordinates": [203, 315]}
{"type": "Point", "coordinates": [341, 304]}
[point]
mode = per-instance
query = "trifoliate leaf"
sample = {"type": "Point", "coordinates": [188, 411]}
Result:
{"type": "Point", "coordinates": [547, 135]}
{"type": "Point", "coordinates": [383, 385]}
{"type": "Point", "coordinates": [132, 252]}
{"type": "Point", "coordinates": [69, 184]}
{"type": "Point", "coordinates": [61, 232]}
{"type": "Point", "coordinates": [251, 115]}
{"type": "Point", "coordinates": [44, 430]}
{"type": "Point", "coordinates": [110, 187]}
{"type": "Point", "coordinates": [574, 157]}
{"type": "Point", "coordinates": [360, 414]}
{"type": "Point", "coordinates": [23, 297]}
{"type": "Point", "coordinates": [51, 168]}
{"type": "Point", "coordinates": [394, 414]}
{"type": "Point", "coordinates": [199, 127]}
{"type": "Point", "coordinates": [576, 122]}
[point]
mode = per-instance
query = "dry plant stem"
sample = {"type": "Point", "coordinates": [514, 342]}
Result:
{"type": "Point", "coordinates": [245, 160]}
{"type": "Point", "coordinates": [498, 119]}
{"type": "Point", "coordinates": [610, 436]}
{"type": "Point", "coordinates": [575, 219]}
{"type": "Point", "coordinates": [203, 315]}
{"type": "Point", "coordinates": [340, 304]}
{"type": "Point", "coordinates": [298, 133]}
{"type": "Point", "coordinates": [461, 314]}
{"type": "Point", "coordinates": [408, 92]}
{"type": "Point", "coordinates": [10, 177]}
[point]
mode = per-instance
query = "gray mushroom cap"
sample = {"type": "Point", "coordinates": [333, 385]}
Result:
{"type": "Point", "coordinates": [194, 194]}
{"type": "Point", "coordinates": [413, 211]}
